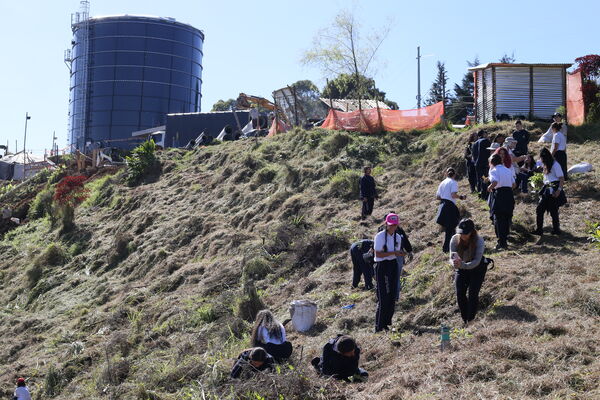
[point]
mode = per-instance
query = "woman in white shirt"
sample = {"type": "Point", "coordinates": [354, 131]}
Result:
{"type": "Point", "coordinates": [448, 214]}
{"type": "Point", "coordinates": [269, 334]}
{"type": "Point", "coordinates": [558, 149]}
{"type": "Point", "coordinates": [552, 195]}
{"type": "Point", "coordinates": [502, 200]}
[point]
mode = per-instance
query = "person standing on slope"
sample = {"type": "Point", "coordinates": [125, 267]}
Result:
{"type": "Point", "coordinates": [547, 137]}
{"type": "Point", "coordinates": [448, 214]}
{"type": "Point", "coordinates": [502, 201]}
{"type": "Point", "coordinates": [368, 192]}
{"type": "Point", "coordinates": [522, 137]}
{"type": "Point", "coordinates": [558, 149]}
{"type": "Point", "coordinates": [552, 195]}
{"type": "Point", "coordinates": [481, 154]}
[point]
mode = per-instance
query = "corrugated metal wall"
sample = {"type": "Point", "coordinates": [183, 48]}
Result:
{"type": "Point", "coordinates": [480, 104]}
{"type": "Point", "coordinates": [512, 91]}
{"type": "Point", "coordinates": [548, 91]}
{"type": "Point", "coordinates": [489, 95]}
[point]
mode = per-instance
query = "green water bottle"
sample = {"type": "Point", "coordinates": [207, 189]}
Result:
{"type": "Point", "coordinates": [445, 337]}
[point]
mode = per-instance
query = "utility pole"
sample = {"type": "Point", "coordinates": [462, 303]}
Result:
{"type": "Point", "coordinates": [53, 141]}
{"type": "Point", "coordinates": [418, 76]}
{"type": "Point", "coordinates": [27, 118]}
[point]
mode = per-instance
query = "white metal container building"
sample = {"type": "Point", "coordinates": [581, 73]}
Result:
{"type": "Point", "coordinates": [531, 91]}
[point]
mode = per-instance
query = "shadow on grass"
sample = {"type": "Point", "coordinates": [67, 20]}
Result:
{"type": "Point", "coordinates": [514, 313]}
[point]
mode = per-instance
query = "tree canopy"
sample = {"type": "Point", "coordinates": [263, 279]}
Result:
{"type": "Point", "coordinates": [344, 87]}
{"type": "Point", "coordinates": [223, 105]}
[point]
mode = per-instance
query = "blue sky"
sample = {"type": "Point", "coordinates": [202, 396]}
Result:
{"type": "Point", "coordinates": [255, 47]}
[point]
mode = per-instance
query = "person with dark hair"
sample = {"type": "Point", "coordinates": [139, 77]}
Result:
{"type": "Point", "coordinates": [368, 192]}
{"type": "Point", "coordinates": [269, 334]}
{"type": "Point", "coordinates": [480, 158]}
{"type": "Point", "coordinates": [502, 200]}
{"type": "Point", "coordinates": [250, 361]}
{"type": "Point", "coordinates": [448, 214]}
{"type": "Point", "coordinates": [547, 137]}
{"type": "Point", "coordinates": [552, 195]}
{"type": "Point", "coordinates": [466, 256]}
{"type": "Point", "coordinates": [388, 246]}
{"type": "Point", "coordinates": [470, 164]}
{"type": "Point", "coordinates": [340, 359]}
{"type": "Point", "coordinates": [522, 137]}
{"type": "Point", "coordinates": [22, 391]}
{"type": "Point", "coordinates": [361, 254]}
{"type": "Point", "coordinates": [525, 172]}
{"type": "Point", "coordinates": [559, 147]}
{"type": "Point", "coordinates": [406, 247]}
{"type": "Point", "coordinates": [498, 138]}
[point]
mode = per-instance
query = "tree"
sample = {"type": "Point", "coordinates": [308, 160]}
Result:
{"type": "Point", "coordinates": [223, 105]}
{"type": "Point", "coordinates": [339, 49]}
{"type": "Point", "coordinates": [589, 66]}
{"type": "Point", "coordinates": [439, 88]}
{"type": "Point", "coordinates": [344, 87]}
{"type": "Point", "coordinates": [462, 103]}
{"type": "Point", "coordinates": [308, 97]}
{"type": "Point", "coordinates": [506, 59]}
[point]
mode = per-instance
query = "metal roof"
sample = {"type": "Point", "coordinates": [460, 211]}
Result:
{"type": "Point", "coordinates": [142, 17]}
{"type": "Point", "coordinates": [488, 65]}
{"type": "Point", "coordinates": [350, 105]}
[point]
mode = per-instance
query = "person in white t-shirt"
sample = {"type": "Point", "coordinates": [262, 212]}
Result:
{"type": "Point", "coordinates": [547, 137]}
{"type": "Point", "coordinates": [558, 149]}
{"type": "Point", "coordinates": [22, 391]}
{"type": "Point", "coordinates": [269, 334]}
{"type": "Point", "coordinates": [502, 200]}
{"type": "Point", "coordinates": [387, 246]}
{"type": "Point", "coordinates": [552, 195]}
{"type": "Point", "coordinates": [448, 214]}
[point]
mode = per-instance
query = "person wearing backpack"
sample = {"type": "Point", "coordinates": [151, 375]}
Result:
{"type": "Point", "coordinates": [466, 256]}
{"type": "Point", "coordinates": [368, 192]}
{"type": "Point", "coordinates": [502, 200]}
{"type": "Point", "coordinates": [340, 359]}
{"type": "Point", "coordinates": [250, 361]}
{"type": "Point", "coordinates": [387, 246]}
{"type": "Point", "coordinates": [269, 334]}
{"type": "Point", "coordinates": [361, 254]}
{"type": "Point", "coordinates": [22, 391]}
{"type": "Point", "coordinates": [448, 214]}
{"type": "Point", "coordinates": [552, 195]}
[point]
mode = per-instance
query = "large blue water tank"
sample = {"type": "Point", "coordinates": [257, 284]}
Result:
{"type": "Point", "coordinates": [133, 71]}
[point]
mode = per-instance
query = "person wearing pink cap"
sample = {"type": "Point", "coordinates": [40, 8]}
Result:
{"type": "Point", "coordinates": [387, 246]}
{"type": "Point", "coordinates": [22, 391]}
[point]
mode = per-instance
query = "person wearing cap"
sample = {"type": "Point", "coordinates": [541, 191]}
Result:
{"type": "Point", "coordinates": [502, 200]}
{"type": "Point", "coordinates": [547, 137]}
{"type": "Point", "coordinates": [388, 246]}
{"type": "Point", "coordinates": [552, 195]}
{"type": "Point", "coordinates": [558, 149]}
{"type": "Point", "coordinates": [361, 254]}
{"type": "Point", "coordinates": [368, 192]}
{"type": "Point", "coordinates": [340, 359]}
{"type": "Point", "coordinates": [22, 391]}
{"type": "Point", "coordinates": [406, 248]}
{"type": "Point", "coordinates": [522, 137]}
{"type": "Point", "coordinates": [466, 256]}
{"type": "Point", "coordinates": [251, 360]}
{"type": "Point", "coordinates": [448, 214]}
{"type": "Point", "coordinates": [481, 154]}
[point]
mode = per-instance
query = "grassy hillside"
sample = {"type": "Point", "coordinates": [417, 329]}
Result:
{"type": "Point", "coordinates": [152, 294]}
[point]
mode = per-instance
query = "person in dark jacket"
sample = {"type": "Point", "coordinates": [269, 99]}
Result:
{"type": "Point", "coordinates": [361, 254]}
{"type": "Point", "coordinates": [522, 137]}
{"type": "Point", "coordinates": [251, 360]}
{"type": "Point", "coordinates": [470, 164]}
{"type": "Point", "coordinates": [340, 359]}
{"type": "Point", "coordinates": [368, 192]}
{"type": "Point", "coordinates": [480, 158]}
{"type": "Point", "coordinates": [502, 200]}
{"type": "Point", "coordinates": [448, 214]}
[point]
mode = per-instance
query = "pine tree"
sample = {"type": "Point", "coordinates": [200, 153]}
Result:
{"type": "Point", "coordinates": [439, 87]}
{"type": "Point", "coordinates": [462, 103]}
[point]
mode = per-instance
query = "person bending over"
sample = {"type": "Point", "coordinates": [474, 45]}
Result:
{"type": "Point", "coordinates": [361, 254]}
{"type": "Point", "coordinates": [340, 359]}
{"type": "Point", "coordinates": [250, 361]}
{"type": "Point", "coordinates": [269, 334]}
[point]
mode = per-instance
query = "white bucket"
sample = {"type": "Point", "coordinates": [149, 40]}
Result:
{"type": "Point", "coordinates": [304, 314]}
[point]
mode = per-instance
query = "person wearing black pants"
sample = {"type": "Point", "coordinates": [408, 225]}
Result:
{"type": "Point", "coordinates": [558, 148]}
{"type": "Point", "coordinates": [552, 195]}
{"type": "Point", "coordinates": [470, 164]}
{"type": "Point", "coordinates": [502, 200]}
{"type": "Point", "coordinates": [448, 214]}
{"type": "Point", "coordinates": [466, 256]}
{"type": "Point", "coordinates": [362, 263]}
{"type": "Point", "coordinates": [387, 245]}
{"type": "Point", "coordinates": [481, 153]}
{"type": "Point", "coordinates": [368, 192]}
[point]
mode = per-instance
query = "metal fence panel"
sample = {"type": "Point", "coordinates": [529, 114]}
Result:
{"type": "Point", "coordinates": [489, 95]}
{"type": "Point", "coordinates": [480, 98]}
{"type": "Point", "coordinates": [512, 91]}
{"type": "Point", "coordinates": [548, 91]}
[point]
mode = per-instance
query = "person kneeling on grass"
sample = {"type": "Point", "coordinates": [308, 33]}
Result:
{"type": "Point", "coordinates": [251, 360]}
{"type": "Point", "coordinates": [340, 359]}
{"type": "Point", "coordinates": [269, 334]}
{"type": "Point", "coordinates": [22, 391]}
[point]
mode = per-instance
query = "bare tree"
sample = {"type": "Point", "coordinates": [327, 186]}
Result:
{"type": "Point", "coordinates": [339, 48]}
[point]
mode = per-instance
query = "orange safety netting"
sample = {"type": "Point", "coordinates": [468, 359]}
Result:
{"type": "Point", "coordinates": [575, 103]}
{"type": "Point", "coordinates": [278, 126]}
{"type": "Point", "coordinates": [377, 120]}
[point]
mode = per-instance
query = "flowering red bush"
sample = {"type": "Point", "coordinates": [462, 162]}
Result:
{"type": "Point", "coordinates": [589, 66]}
{"type": "Point", "coordinates": [70, 191]}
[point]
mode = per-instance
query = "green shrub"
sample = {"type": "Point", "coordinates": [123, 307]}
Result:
{"type": "Point", "coordinates": [34, 274]}
{"type": "Point", "coordinates": [344, 184]}
{"type": "Point", "coordinates": [53, 381]}
{"type": "Point", "coordinates": [265, 175]}
{"type": "Point", "coordinates": [41, 205]}
{"type": "Point", "coordinates": [256, 269]}
{"type": "Point", "coordinates": [537, 181]}
{"type": "Point", "coordinates": [250, 303]}
{"type": "Point", "coordinates": [141, 162]}
{"type": "Point", "coordinates": [335, 143]}
{"type": "Point", "coordinates": [205, 313]}
{"type": "Point", "coordinates": [368, 151]}
{"type": "Point", "coordinates": [53, 255]}
{"type": "Point", "coordinates": [101, 191]}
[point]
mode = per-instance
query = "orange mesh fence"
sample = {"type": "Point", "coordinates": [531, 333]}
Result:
{"type": "Point", "coordinates": [575, 103]}
{"type": "Point", "coordinates": [278, 126]}
{"type": "Point", "coordinates": [377, 120]}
